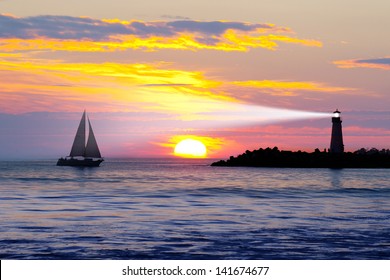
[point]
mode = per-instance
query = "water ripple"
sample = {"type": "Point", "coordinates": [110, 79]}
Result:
{"type": "Point", "coordinates": [185, 209]}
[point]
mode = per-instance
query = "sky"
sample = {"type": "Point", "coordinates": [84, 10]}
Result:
{"type": "Point", "coordinates": [236, 75]}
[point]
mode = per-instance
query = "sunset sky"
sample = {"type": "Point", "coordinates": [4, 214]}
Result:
{"type": "Point", "coordinates": [236, 75]}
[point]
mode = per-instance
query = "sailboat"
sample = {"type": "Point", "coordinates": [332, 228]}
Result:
{"type": "Point", "coordinates": [81, 154]}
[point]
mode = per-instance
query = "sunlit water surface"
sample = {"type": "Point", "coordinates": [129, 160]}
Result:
{"type": "Point", "coordinates": [185, 209]}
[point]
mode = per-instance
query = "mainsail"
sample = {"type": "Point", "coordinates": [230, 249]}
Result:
{"type": "Point", "coordinates": [92, 149]}
{"type": "Point", "coordinates": [78, 148]}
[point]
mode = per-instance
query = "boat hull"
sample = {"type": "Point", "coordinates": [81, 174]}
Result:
{"type": "Point", "coordinates": [79, 162]}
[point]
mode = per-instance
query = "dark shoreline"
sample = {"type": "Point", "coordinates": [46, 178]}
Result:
{"type": "Point", "coordinates": [268, 157]}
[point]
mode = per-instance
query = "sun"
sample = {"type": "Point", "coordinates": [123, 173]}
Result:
{"type": "Point", "coordinates": [190, 148]}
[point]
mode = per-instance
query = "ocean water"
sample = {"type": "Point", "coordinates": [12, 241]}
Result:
{"type": "Point", "coordinates": [185, 209]}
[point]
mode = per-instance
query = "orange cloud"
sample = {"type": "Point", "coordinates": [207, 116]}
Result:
{"type": "Point", "coordinates": [37, 85]}
{"type": "Point", "coordinates": [376, 63]}
{"type": "Point", "coordinates": [289, 88]}
{"type": "Point", "coordinates": [33, 84]}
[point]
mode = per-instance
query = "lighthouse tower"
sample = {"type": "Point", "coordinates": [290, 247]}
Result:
{"type": "Point", "coordinates": [336, 142]}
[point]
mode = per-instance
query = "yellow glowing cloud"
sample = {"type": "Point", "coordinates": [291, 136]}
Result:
{"type": "Point", "coordinates": [135, 74]}
{"type": "Point", "coordinates": [231, 41]}
{"type": "Point", "coordinates": [31, 86]}
{"type": "Point", "coordinates": [48, 44]}
{"type": "Point", "coordinates": [9, 55]}
{"type": "Point", "coordinates": [243, 42]}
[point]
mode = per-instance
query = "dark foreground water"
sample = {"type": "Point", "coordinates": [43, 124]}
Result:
{"type": "Point", "coordinates": [185, 209]}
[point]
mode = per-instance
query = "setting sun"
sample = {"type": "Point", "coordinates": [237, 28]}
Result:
{"type": "Point", "coordinates": [190, 148]}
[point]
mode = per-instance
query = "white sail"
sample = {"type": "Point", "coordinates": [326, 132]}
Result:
{"type": "Point", "coordinates": [78, 148]}
{"type": "Point", "coordinates": [92, 149]}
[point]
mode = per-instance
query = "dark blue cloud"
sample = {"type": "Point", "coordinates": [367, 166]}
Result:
{"type": "Point", "coordinates": [382, 61]}
{"type": "Point", "coordinates": [148, 29]}
{"type": "Point", "coordinates": [59, 27]}
{"type": "Point", "coordinates": [82, 28]}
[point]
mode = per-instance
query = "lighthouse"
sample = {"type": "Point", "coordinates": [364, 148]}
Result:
{"type": "Point", "coordinates": [336, 142]}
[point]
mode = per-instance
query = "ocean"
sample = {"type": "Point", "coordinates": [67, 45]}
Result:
{"type": "Point", "coordinates": [186, 209]}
